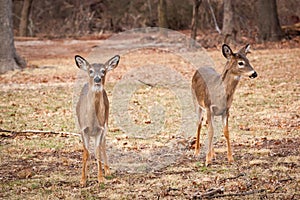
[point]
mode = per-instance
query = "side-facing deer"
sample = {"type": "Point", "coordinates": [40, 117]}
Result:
{"type": "Point", "coordinates": [213, 93]}
{"type": "Point", "coordinates": [92, 112]}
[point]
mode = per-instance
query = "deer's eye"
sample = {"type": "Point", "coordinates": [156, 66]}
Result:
{"type": "Point", "coordinates": [91, 71]}
{"type": "Point", "coordinates": [241, 63]}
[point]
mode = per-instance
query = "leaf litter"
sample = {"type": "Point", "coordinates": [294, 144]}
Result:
{"type": "Point", "coordinates": [264, 128]}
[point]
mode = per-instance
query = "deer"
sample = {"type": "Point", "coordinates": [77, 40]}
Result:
{"type": "Point", "coordinates": [213, 93]}
{"type": "Point", "coordinates": [92, 111]}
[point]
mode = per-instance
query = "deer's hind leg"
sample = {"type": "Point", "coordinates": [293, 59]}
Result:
{"type": "Point", "coordinates": [226, 134]}
{"type": "Point", "coordinates": [199, 112]}
{"type": "Point", "coordinates": [210, 151]}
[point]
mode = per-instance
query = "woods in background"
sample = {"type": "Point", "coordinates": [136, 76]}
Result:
{"type": "Point", "coordinates": [260, 20]}
{"type": "Point", "coordinates": [74, 18]}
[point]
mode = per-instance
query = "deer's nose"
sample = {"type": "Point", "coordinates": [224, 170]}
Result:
{"type": "Point", "coordinates": [97, 79]}
{"type": "Point", "coordinates": [254, 75]}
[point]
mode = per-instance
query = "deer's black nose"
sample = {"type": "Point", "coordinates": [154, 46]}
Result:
{"type": "Point", "coordinates": [97, 79]}
{"type": "Point", "coordinates": [254, 75]}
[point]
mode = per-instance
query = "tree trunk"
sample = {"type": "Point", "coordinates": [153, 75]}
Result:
{"type": "Point", "coordinates": [267, 20]}
{"type": "Point", "coordinates": [231, 26]}
{"type": "Point", "coordinates": [214, 17]}
{"type": "Point", "coordinates": [162, 16]}
{"type": "Point", "coordinates": [24, 17]}
{"type": "Point", "coordinates": [9, 60]}
{"type": "Point", "coordinates": [194, 26]}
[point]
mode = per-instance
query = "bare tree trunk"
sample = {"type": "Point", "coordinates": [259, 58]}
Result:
{"type": "Point", "coordinates": [231, 26]}
{"type": "Point", "coordinates": [162, 16]}
{"type": "Point", "coordinates": [267, 20]}
{"type": "Point", "coordinates": [214, 17]}
{"type": "Point", "coordinates": [24, 17]}
{"type": "Point", "coordinates": [194, 26]}
{"type": "Point", "coordinates": [9, 60]}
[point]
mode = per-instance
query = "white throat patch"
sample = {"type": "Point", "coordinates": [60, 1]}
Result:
{"type": "Point", "coordinates": [237, 78]}
{"type": "Point", "coordinates": [97, 88]}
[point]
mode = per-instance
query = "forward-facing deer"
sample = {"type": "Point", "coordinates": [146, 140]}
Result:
{"type": "Point", "coordinates": [92, 112]}
{"type": "Point", "coordinates": [213, 93]}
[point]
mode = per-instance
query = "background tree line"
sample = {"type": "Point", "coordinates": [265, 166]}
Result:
{"type": "Point", "coordinates": [61, 18]}
{"type": "Point", "coordinates": [232, 19]}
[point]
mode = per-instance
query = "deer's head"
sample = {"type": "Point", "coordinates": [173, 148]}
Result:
{"type": "Point", "coordinates": [238, 63]}
{"type": "Point", "coordinates": [96, 71]}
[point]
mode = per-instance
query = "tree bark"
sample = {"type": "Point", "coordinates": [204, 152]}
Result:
{"type": "Point", "coordinates": [9, 60]}
{"type": "Point", "coordinates": [267, 20]}
{"type": "Point", "coordinates": [24, 17]}
{"type": "Point", "coordinates": [231, 26]}
{"type": "Point", "coordinates": [194, 26]}
{"type": "Point", "coordinates": [162, 16]}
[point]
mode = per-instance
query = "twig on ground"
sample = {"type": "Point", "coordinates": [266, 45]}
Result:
{"type": "Point", "coordinates": [218, 193]}
{"type": "Point", "coordinates": [234, 177]}
{"type": "Point", "coordinates": [286, 179]}
{"type": "Point", "coordinates": [148, 84]}
{"type": "Point", "coordinates": [172, 189]}
{"type": "Point", "coordinates": [27, 132]}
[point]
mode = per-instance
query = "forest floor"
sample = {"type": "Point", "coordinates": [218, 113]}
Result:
{"type": "Point", "coordinates": [40, 150]}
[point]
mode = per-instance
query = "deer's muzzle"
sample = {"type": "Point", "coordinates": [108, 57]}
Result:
{"type": "Point", "coordinates": [254, 75]}
{"type": "Point", "coordinates": [97, 79]}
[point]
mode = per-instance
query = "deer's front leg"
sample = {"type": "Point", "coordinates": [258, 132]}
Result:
{"type": "Point", "coordinates": [99, 164]}
{"type": "Point", "coordinates": [85, 157]}
{"type": "Point", "coordinates": [103, 148]}
{"type": "Point", "coordinates": [226, 134]}
{"type": "Point", "coordinates": [210, 152]}
{"type": "Point", "coordinates": [98, 145]}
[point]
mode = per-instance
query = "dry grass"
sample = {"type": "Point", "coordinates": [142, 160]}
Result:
{"type": "Point", "coordinates": [264, 128]}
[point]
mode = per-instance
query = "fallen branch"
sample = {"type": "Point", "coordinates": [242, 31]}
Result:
{"type": "Point", "coordinates": [218, 193]}
{"type": "Point", "coordinates": [28, 132]}
{"type": "Point", "coordinates": [234, 177]}
{"type": "Point", "coordinates": [213, 192]}
{"type": "Point", "coordinates": [286, 179]}
{"type": "Point", "coordinates": [238, 194]}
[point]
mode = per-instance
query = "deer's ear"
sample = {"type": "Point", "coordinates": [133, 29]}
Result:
{"type": "Point", "coordinates": [226, 50]}
{"type": "Point", "coordinates": [112, 63]}
{"type": "Point", "coordinates": [245, 50]}
{"type": "Point", "coordinates": [81, 63]}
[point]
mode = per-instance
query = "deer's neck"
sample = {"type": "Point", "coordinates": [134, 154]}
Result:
{"type": "Point", "coordinates": [99, 105]}
{"type": "Point", "coordinates": [230, 82]}
{"type": "Point", "coordinates": [98, 98]}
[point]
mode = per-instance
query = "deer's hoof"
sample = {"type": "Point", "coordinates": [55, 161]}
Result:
{"type": "Point", "coordinates": [107, 171]}
{"type": "Point", "coordinates": [197, 152]}
{"type": "Point", "coordinates": [213, 155]}
{"type": "Point", "coordinates": [83, 183]}
{"type": "Point", "coordinates": [230, 160]}
{"type": "Point", "coordinates": [208, 163]}
{"type": "Point", "coordinates": [100, 179]}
